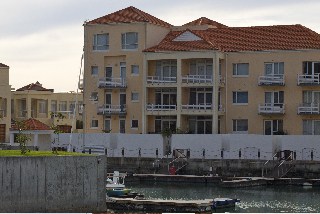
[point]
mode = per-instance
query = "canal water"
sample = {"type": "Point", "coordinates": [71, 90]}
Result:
{"type": "Point", "coordinates": [261, 199]}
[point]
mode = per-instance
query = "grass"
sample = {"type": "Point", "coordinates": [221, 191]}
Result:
{"type": "Point", "coordinates": [5, 153]}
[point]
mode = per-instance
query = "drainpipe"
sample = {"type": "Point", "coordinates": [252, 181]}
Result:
{"type": "Point", "coordinates": [226, 95]}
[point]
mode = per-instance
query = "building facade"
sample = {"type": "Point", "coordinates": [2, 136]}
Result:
{"type": "Point", "coordinates": [5, 104]}
{"type": "Point", "coordinates": [143, 75]}
{"type": "Point", "coordinates": [53, 109]}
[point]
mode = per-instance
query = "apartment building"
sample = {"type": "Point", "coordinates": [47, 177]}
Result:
{"type": "Point", "coordinates": [58, 109]}
{"type": "Point", "coordinates": [143, 75]}
{"type": "Point", "coordinates": [5, 104]}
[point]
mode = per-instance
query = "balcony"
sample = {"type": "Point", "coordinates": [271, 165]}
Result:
{"type": "Point", "coordinates": [271, 80]}
{"type": "Point", "coordinates": [203, 106]}
{"type": "Point", "coordinates": [271, 108]}
{"type": "Point", "coordinates": [108, 109]}
{"type": "Point", "coordinates": [158, 79]}
{"type": "Point", "coordinates": [305, 79]}
{"type": "Point", "coordinates": [111, 82]}
{"type": "Point", "coordinates": [309, 108]}
{"type": "Point", "coordinates": [161, 107]}
{"type": "Point", "coordinates": [62, 114]}
{"type": "Point", "coordinates": [192, 79]}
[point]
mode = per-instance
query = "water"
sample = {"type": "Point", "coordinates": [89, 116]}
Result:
{"type": "Point", "coordinates": [261, 199]}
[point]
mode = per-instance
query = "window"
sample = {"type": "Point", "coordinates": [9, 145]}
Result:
{"type": "Point", "coordinates": [129, 40]}
{"type": "Point", "coordinates": [101, 42]}
{"type": "Point", "coordinates": [135, 69]}
{"type": "Point", "coordinates": [94, 96]}
{"type": "Point", "coordinates": [122, 124]}
{"type": "Point", "coordinates": [311, 127]}
{"type": "Point", "coordinates": [54, 106]}
{"type": "Point", "coordinates": [94, 123]}
{"type": "Point", "coordinates": [94, 70]}
{"type": "Point", "coordinates": [273, 127]}
{"type": "Point", "coordinates": [274, 69]}
{"type": "Point", "coordinates": [274, 97]}
{"type": "Point", "coordinates": [72, 106]}
{"type": "Point", "coordinates": [107, 125]}
{"type": "Point", "coordinates": [240, 126]}
{"type": "Point", "coordinates": [201, 67]}
{"type": "Point", "coordinates": [241, 69]}
{"type": "Point", "coordinates": [134, 96]}
{"type": "Point", "coordinates": [200, 125]}
{"type": "Point", "coordinates": [311, 68]}
{"type": "Point", "coordinates": [134, 123]}
{"type": "Point", "coordinates": [123, 70]}
{"type": "Point", "coordinates": [167, 70]}
{"type": "Point", "coordinates": [42, 107]}
{"type": "Point", "coordinates": [165, 122]}
{"type": "Point", "coordinates": [63, 106]}
{"type": "Point", "coordinates": [240, 97]}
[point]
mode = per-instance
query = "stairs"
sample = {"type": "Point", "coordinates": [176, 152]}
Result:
{"type": "Point", "coordinates": [179, 162]}
{"type": "Point", "coordinates": [280, 164]}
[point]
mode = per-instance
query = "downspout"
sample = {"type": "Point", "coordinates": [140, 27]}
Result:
{"type": "Point", "coordinates": [226, 95]}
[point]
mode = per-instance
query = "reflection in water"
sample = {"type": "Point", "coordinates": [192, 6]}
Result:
{"type": "Point", "coordinates": [253, 199]}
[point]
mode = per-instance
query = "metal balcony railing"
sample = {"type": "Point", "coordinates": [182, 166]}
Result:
{"type": "Point", "coordinates": [197, 79]}
{"type": "Point", "coordinates": [204, 106]}
{"type": "Point", "coordinates": [111, 82]}
{"type": "Point", "coordinates": [161, 107]}
{"type": "Point", "coordinates": [108, 109]}
{"type": "Point", "coordinates": [271, 108]}
{"type": "Point", "coordinates": [306, 79]}
{"type": "Point", "coordinates": [158, 79]}
{"type": "Point", "coordinates": [309, 108]}
{"type": "Point", "coordinates": [271, 80]}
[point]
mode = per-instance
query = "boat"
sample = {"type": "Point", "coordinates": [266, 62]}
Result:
{"type": "Point", "coordinates": [220, 203]}
{"type": "Point", "coordinates": [115, 187]}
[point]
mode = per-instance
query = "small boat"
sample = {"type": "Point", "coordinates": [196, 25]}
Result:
{"type": "Point", "coordinates": [115, 187]}
{"type": "Point", "coordinates": [219, 203]}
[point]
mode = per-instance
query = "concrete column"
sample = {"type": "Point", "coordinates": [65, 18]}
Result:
{"type": "Point", "coordinates": [35, 143]}
{"type": "Point", "coordinates": [179, 91]}
{"type": "Point", "coordinates": [144, 95]}
{"type": "Point", "coordinates": [28, 100]}
{"type": "Point", "coordinates": [215, 94]}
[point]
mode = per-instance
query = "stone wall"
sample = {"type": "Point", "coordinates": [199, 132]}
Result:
{"type": "Point", "coordinates": [52, 184]}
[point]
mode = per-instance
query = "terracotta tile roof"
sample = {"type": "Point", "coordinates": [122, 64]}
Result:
{"type": "Point", "coordinates": [34, 87]}
{"type": "Point", "coordinates": [3, 65]}
{"type": "Point", "coordinates": [31, 124]}
{"type": "Point", "coordinates": [129, 15]}
{"type": "Point", "coordinates": [231, 39]}
{"type": "Point", "coordinates": [205, 21]}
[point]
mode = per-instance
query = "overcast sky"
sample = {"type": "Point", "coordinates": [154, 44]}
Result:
{"type": "Point", "coordinates": [42, 40]}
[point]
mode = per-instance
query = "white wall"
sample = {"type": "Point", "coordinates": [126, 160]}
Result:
{"type": "Point", "coordinates": [230, 144]}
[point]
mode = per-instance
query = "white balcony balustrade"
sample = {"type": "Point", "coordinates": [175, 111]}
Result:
{"type": "Point", "coordinates": [65, 114]}
{"type": "Point", "coordinates": [309, 108]}
{"type": "Point", "coordinates": [197, 79]}
{"type": "Point", "coordinates": [111, 82]}
{"type": "Point", "coordinates": [271, 80]}
{"type": "Point", "coordinates": [197, 106]}
{"type": "Point", "coordinates": [161, 107]}
{"type": "Point", "coordinates": [108, 109]}
{"type": "Point", "coordinates": [271, 108]}
{"type": "Point", "coordinates": [158, 79]}
{"type": "Point", "coordinates": [306, 79]}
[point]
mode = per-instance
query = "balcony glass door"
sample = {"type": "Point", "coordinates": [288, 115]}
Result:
{"type": "Point", "coordinates": [108, 73]}
{"type": "Point", "coordinates": [108, 99]}
{"type": "Point", "coordinates": [166, 98]}
{"type": "Point", "coordinates": [272, 127]}
{"type": "Point", "coordinates": [274, 97]}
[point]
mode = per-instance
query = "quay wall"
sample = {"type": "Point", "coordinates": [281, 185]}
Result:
{"type": "Point", "coordinates": [225, 168]}
{"type": "Point", "coordinates": [201, 146]}
{"type": "Point", "coordinates": [52, 184]}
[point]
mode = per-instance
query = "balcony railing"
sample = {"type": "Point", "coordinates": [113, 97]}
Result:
{"type": "Point", "coordinates": [197, 79]}
{"type": "Point", "coordinates": [309, 108]}
{"type": "Point", "coordinates": [161, 107]}
{"type": "Point", "coordinates": [271, 108]}
{"type": "Point", "coordinates": [305, 79]}
{"type": "Point", "coordinates": [108, 109]}
{"type": "Point", "coordinates": [65, 114]}
{"type": "Point", "coordinates": [204, 106]}
{"type": "Point", "coordinates": [22, 113]}
{"type": "Point", "coordinates": [111, 82]}
{"type": "Point", "coordinates": [271, 80]}
{"type": "Point", "coordinates": [157, 79]}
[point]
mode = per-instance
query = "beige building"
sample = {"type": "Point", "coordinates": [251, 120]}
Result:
{"type": "Point", "coordinates": [5, 104]}
{"type": "Point", "coordinates": [143, 75]}
{"type": "Point", "coordinates": [58, 109]}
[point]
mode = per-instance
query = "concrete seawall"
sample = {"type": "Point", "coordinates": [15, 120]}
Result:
{"type": "Point", "coordinates": [229, 168]}
{"type": "Point", "coordinates": [52, 184]}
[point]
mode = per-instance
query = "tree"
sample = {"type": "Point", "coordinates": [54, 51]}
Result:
{"type": "Point", "coordinates": [22, 138]}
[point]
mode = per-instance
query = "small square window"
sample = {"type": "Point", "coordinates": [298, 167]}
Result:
{"type": "Point", "coordinates": [94, 124]}
{"type": "Point", "coordinates": [94, 70]}
{"type": "Point", "coordinates": [101, 42]}
{"type": "Point", "coordinates": [134, 96]}
{"type": "Point", "coordinates": [240, 126]}
{"type": "Point", "coordinates": [94, 96]}
{"type": "Point", "coordinates": [240, 97]}
{"type": "Point", "coordinates": [134, 123]}
{"type": "Point", "coordinates": [129, 40]}
{"type": "Point", "coordinates": [241, 69]}
{"type": "Point", "coordinates": [135, 69]}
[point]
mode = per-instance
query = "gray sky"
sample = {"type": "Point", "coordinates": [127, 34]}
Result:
{"type": "Point", "coordinates": [42, 40]}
